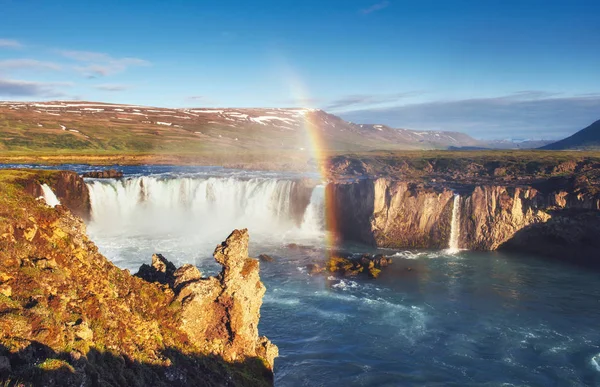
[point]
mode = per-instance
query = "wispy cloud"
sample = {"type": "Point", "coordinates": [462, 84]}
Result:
{"type": "Point", "coordinates": [367, 100]}
{"type": "Point", "coordinates": [375, 7]}
{"type": "Point", "coordinates": [112, 87]}
{"type": "Point", "coordinates": [18, 88]}
{"type": "Point", "coordinates": [530, 114]}
{"type": "Point", "coordinates": [20, 64]}
{"type": "Point", "coordinates": [200, 99]}
{"type": "Point", "coordinates": [10, 43]}
{"type": "Point", "coordinates": [98, 64]}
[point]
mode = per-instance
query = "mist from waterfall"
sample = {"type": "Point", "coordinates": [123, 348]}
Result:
{"type": "Point", "coordinates": [453, 246]}
{"type": "Point", "coordinates": [190, 213]}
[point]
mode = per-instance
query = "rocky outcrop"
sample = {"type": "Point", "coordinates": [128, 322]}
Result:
{"type": "Point", "coordinates": [353, 266]}
{"type": "Point", "coordinates": [219, 313]}
{"type": "Point", "coordinates": [69, 317]}
{"type": "Point", "coordinates": [398, 214]}
{"type": "Point", "coordinates": [391, 213]}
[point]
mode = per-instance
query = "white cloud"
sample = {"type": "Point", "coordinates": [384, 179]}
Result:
{"type": "Point", "coordinates": [112, 87]}
{"type": "Point", "coordinates": [19, 88]}
{"type": "Point", "coordinates": [20, 64]}
{"type": "Point", "coordinates": [10, 43]}
{"type": "Point", "coordinates": [527, 114]}
{"type": "Point", "coordinates": [98, 64]}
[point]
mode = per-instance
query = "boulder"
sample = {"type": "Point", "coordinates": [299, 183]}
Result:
{"type": "Point", "coordinates": [351, 267]}
{"type": "Point", "coordinates": [265, 258]}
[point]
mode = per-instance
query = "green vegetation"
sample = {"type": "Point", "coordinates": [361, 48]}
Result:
{"type": "Point", "coordinates": [69, 315]}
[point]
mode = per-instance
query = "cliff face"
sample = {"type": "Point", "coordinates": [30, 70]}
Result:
{"type": "Point", "coordinates": [397, 214]}
{"type": "Point", "coordinates": [392, 214]}
{"type": "Point", "coordinates": [68, 187]}
{"type": "Point", "coordinates": [491, 215]}
{"type": "Point", "coordinates": [69, 317]}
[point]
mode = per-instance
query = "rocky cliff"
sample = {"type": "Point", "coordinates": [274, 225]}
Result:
{"type": "Point", "coordinates": [389, 213]}
{"type": "Point", "coordinates": [68, 187]}
{"type": "Point", "coordinates": [69, 317]}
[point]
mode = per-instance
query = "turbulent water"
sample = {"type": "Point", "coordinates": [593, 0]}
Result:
{"type": "Point", "coordinates": [462, 318]}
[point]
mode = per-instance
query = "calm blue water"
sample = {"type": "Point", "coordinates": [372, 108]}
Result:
{"type": "Point", "coordinates": [468, 319]}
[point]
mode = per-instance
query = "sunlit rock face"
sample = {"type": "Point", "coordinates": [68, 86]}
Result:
{"type": "Point", "coordinates": [493, 214]}
{"type": "Point", "coordinates": [399, 214]}
{"type": "Point", "coordinates": [220, 313]}
{"type": "Point", "coordinates": [390, 213]}
{"type": "Point", "coordinates": [64, 305]}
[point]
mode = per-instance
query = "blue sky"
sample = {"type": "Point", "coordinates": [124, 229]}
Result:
{"type": "Point", "coordinates": [490, 68]}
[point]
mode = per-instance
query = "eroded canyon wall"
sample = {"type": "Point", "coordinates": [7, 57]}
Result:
{"type": "Point", "coordinates": [397, 214]}
{"type": "Point", "coordinates": [390, 213]}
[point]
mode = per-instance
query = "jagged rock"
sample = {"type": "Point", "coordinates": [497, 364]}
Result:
{"type": "Point", "coordinates": [186, 273]}
{"type": "Point", "coordinates": [160, 271]}
{"type": "Point", "coordinates": [223, 312]}
{"type": "Point", "coordinates": [265, 258]}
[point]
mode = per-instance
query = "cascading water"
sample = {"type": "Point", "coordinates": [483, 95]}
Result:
{"type": "Point", "coordinates": [313, 221]}
{"type": "Point", "coordinates": [189, 214]}
{"type": "Point", "coordinates": [453, 246]}
{"type": "Point", "coordinates": [49, 196]}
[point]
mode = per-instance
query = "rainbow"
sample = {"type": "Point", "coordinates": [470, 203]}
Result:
{"type": "Point", "coordinates": [318, 147]}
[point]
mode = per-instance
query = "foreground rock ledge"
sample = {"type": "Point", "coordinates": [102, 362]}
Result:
{"type": "Point", "coordinates": [69, 317]}
{"type": "Point", "coordinates": [220, 313]}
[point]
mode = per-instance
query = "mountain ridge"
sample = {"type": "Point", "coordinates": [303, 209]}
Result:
{"type": "Point", "coordinates": [587, 138]}
{"type": "Point", "coordinates": [105, 127]}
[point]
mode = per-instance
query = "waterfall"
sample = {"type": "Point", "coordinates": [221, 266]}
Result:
{"type": "Point", "coordinates": [49, 196]}
{"type": "Point", "coordinates": [313, 221]}
{"type": "Point", "coordinates": [453, 246]}
{"type": "Point", "coordinates": [206, 207]}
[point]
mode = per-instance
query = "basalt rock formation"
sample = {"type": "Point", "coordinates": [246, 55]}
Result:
{"type": "Point", "coordinates": [391, 213]}
{"type": "Point", "coordinates": [387, 212]}
{"type": "Point", "coordinates": [69, 317]}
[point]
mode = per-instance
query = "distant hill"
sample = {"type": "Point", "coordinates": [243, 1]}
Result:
{"type": "Point", "coordinates": [585, 139]}
{"type": "Point", "coordinates": [103, 127]}
{"type": "Point", "coordinates": [526, 144]}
